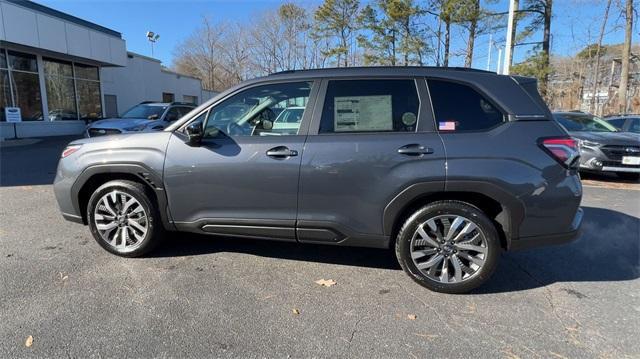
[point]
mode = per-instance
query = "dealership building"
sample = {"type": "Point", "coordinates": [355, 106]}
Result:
{"type": "Point", "coordinates": [57, 72]}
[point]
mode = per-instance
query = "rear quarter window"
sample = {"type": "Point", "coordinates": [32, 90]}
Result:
{"type": "Point", "coordinates": [460, 108]}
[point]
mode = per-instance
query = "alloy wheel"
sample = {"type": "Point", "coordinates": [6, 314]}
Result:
{"type": "Point", "coordinates": [449, 248]}
{"type": "Point", "coordinates": [121, 221]}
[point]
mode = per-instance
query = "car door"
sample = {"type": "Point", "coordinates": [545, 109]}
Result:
{"type": "Point", "coordinates": [242, 179]}
{"type": "Point", "coordinates": [369, 142]}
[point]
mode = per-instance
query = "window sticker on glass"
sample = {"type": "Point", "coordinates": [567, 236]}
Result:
{"type": "Point", "coordinates": [447, 126]}
{"type": "Point", "coordinates": [363, 113]}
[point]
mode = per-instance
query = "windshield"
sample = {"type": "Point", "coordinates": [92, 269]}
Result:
{"type": "Point", "coordinates": [583, 122]}
{"type": "Point", "coordinates": [144, 111]}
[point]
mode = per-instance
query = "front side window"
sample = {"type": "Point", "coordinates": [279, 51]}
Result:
{"type": "Point", "coordinates": [370, 106]}
{"type": "Point", "coordinates": [256, 111]}
{"type": "Point", "coordinates": [459, 108]}
{"type": "Point", "coordinates": [635, 125]}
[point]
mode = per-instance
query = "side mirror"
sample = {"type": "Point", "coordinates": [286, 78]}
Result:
{"type": "Point", "coordinates": [194, 133]}
{"type": "Point", "coordinates": [153, 117]}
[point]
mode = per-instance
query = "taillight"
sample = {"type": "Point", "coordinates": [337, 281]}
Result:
{"type": "Point", "coordinates": [564, 150]}
{"type": "Point", "coordinates": [70, 149]}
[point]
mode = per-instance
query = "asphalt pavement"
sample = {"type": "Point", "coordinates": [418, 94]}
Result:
{"type": "Point", "coordinates": [200, 296]}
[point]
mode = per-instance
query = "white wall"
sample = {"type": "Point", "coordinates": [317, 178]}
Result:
{"type": "Point", "coordinates": [25, 26]}
{"type": "Point", "coordinates": [143, 79]}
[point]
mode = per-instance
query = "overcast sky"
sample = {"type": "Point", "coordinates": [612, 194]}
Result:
{"type": "Point", "coordinates": [575, 23]}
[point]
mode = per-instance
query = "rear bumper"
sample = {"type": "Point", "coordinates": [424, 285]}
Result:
{"type": "Point", "coordinates": [551, 239]}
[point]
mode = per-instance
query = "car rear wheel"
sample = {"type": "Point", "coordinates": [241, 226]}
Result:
{"type": "Point", "coordinates": [448, 246]}
{"type": "Point", "coordinates": [123, 219]}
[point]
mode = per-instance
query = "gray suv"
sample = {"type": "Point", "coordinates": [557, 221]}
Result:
{"type": "Point", "coordinates": [447, 166]}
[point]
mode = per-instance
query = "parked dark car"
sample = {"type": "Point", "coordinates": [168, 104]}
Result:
{"type": "Point", "coordinates": [625, 123]}
{"type": "Point", "coordinates": [602, 147]}
{"type": "Point", "coordinates": [447, 166]}
{"type": "Point", "coordinates": [144, 117]}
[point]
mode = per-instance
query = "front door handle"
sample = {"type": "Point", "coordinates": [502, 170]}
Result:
{"type": "Point", "coordinates": [414, 149]}
{"type": "Point", "coordinates": [281, 152]}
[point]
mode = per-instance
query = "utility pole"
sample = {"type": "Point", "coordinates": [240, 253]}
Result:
{"type": "Point", "coordinates": [508, 49]}
{"type": "Point", "coordinates": [499, 61]}
{"type": "Point", "coordinates": [626, 54]}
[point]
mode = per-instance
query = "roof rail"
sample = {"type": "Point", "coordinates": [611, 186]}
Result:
{"type": "Point", "coordinates": [454, 68]}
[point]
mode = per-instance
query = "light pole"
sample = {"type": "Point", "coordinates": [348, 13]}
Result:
{"type": "Point", "coordinates": [507, 49]}
{"type": "Point", "coordinates": [152, 37]}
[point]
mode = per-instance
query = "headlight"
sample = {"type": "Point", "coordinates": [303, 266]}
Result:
{"type": "Point", "coordinates": [135, 128]}
{"type": "Point", "coordinates": [588, 144]}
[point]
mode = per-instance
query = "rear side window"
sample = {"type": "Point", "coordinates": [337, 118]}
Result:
{"type": "Point", "coordinates": [618, 122]}
{"type": "Point", "coordinates": [370, 106]}
{"type": "Point", "coordinates": [459, 108]}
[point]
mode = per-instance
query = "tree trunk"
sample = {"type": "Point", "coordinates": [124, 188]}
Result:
{"type": "Point", "coordinates": [546, 45]}
{"type": "Point", "coordinates": [596, 72]}
{"type": "Point", "coordinates": [447, 42]}
{"type": "Point", "coordinates": [473, 25]}
{"type": "Point", "coordinates": [626, 54]}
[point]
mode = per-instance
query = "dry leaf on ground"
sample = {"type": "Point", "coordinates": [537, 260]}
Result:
{"type": "Point", "coordinates": [411, 316]}
{"type": "Point", "coordinates": [326, 282]}
{"type": "Point", "coordinates": [29, 342]}
{"type": "Point", "coordinates": [296, 311]}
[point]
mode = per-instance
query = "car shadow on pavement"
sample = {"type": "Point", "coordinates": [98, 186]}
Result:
{"type": "Point", "coordinates": [189, 244]}
{"type": "Point", "coordinates": [607, 250]}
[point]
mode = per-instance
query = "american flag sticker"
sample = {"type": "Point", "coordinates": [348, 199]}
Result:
{"type": "Point", "coordinates": [447, 126]}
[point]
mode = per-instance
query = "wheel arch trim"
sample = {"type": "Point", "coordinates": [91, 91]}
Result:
{"type": "Point", "coordinates": [147, 176]}
{"type": "Point", "coordinates": [510, 218]}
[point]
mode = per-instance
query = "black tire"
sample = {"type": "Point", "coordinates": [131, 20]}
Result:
{"type": "Point", "coordinates": [155, 231]}
{"type": "Point", "coordinates": [628, 176]}
{"type": "Point", "coordinates": [440, 208]}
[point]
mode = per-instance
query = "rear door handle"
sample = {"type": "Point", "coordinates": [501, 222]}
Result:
{"type": "Point", "coordinates": [281, 152]}
{"type": "Point", "coordinates": [414, 149]}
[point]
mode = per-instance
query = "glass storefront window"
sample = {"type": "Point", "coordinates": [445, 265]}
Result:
{"type": "Point", "coordinates": [86, 72]}
{"type": "Point", "coordinates": [89, 102]}
{"type": "Point", "coordinates": [23, 62]}
{"type": "Point", "coordinates": [73, 90]}
{"type": "Point", "coordinates": [3, 59]}
{"type": "Point", "coordinates": [57, 68]}
{"type": "Point", "coordinates": [26, 92]}
{"type": "Point", "coordinates": [61, 99]}
{"type": "Point", "coordinates": [61, 94]}
{"type": "Point", "coordinates": [5, 93]}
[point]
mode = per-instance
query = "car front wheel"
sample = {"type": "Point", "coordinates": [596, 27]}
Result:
{"type": "Point", "coordinates": [448, 246]}
{"type": "Point", "coordinates": [123, 219]}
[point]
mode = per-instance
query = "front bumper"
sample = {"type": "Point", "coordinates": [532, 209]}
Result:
{"type": "Point", "coordinates": [551, 239]}
{"type": "Point", "coordinates": [606, 159]}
